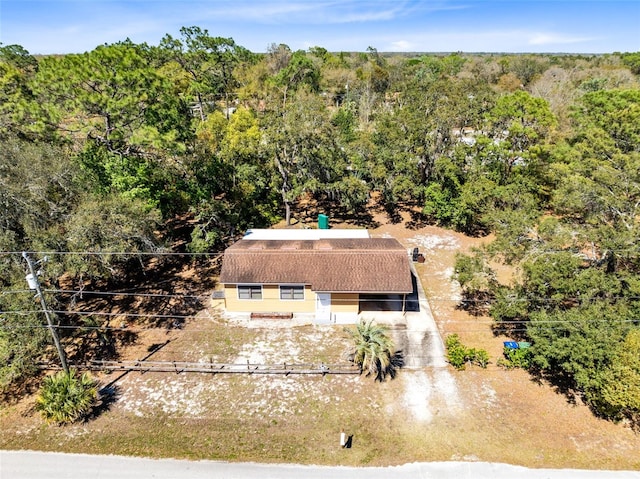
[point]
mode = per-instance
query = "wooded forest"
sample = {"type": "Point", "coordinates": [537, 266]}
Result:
{"type": "Point", "coordinates": [102, 152]}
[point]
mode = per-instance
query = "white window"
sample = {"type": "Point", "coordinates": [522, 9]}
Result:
{"type": "Point", "coordinates": [292, 293]}
{"type": "Point", "coordinates": [249, 291]}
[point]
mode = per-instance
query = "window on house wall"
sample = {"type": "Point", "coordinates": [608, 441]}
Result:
{"type": "Point", "coordinates": [249, 292]}
{"type": "Point", "coordinates": [289, 293]}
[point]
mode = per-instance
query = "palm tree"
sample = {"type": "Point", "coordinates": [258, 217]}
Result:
{"type": "Point", "coordinates": [373, 352]}
{"type": "Point", "coordinates": [66, 396]}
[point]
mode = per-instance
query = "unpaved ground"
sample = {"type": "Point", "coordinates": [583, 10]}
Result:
{"type": "Point", "coordinates": [501, 402]}
{"type": "Point", "coordinates": [427, 414]}
{"type": "Point", "coordinates": [435, 389]}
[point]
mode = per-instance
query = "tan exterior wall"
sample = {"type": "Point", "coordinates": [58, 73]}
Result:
{"type": "Point", "coordinates": [270, 302]}
{"type": "Point", "coordinates": [345, 303]}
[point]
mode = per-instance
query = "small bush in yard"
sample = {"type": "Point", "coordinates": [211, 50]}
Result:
{"type": "Point", "coordinates": [67, 397]}
{"type": "Point", "coordinates": [459, 355]}
{"type": "Point", "coordinates": [516, 358]}
{"type": "Point", "coordinates": [479, 357]}
{"type": "Point", "coordinates": [456, 352]}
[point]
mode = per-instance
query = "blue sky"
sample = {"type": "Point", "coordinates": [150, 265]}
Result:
{"type": "Point", "coordinates": [572, 26]}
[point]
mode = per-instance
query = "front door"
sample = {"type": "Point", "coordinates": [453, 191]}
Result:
{"type": "Point", "coordinates": [323, 308]}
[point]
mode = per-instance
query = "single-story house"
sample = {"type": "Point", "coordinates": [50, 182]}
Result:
{"type": "Point", "coordinates": [325, 274]}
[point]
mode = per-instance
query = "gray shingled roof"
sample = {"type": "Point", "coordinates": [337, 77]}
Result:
{"type": "Point", "coordinates": [370, 265]}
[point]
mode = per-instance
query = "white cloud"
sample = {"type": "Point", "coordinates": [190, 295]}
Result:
{"type": "Point", "coordinates": [508, 40]}
{"type": "Point", "coordinates": [312, 12]}
{"type": "Point", "coordinates": [554, 38]}
{"type": "Point", "coordinates": [401, 46]}
{"type": "Point", "coordinates": [389, 25]}
{"type": "Point", "coordinates": [266, 12]}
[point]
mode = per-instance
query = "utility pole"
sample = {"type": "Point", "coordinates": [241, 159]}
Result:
{"type": "Point", "coordinates": [34, 284]}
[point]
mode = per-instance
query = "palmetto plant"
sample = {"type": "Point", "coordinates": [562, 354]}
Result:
{"type": "Point", "coordinates": [66, 397]}
{"type": "Point", "coordinates": [373, 350]}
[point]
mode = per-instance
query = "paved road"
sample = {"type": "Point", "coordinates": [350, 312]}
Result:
{"type": "Point", "coordinates": [43, 465]}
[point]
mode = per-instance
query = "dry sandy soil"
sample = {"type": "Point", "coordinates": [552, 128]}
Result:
{"type": "Point", "coordinates": [423, 415]}
{"type": "Point", "coordinates": [534, 418]}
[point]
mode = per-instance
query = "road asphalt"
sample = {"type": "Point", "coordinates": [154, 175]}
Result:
{"type": "Point", "coordinates": [50, 465]}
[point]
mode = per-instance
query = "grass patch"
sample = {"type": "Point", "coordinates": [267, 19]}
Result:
{"type": "Point", "coordinates": [491, 414]}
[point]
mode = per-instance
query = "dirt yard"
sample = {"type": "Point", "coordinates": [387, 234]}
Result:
{"type": "Point", "coordinates": [507, 416]}
{"type": "Point", "coordinates": [432, 414]}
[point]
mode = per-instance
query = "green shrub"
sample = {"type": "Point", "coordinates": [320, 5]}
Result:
{"type": "Point", "coordinates": [67, 397]}
{"type": "Point", "coordinates": [459, 355]}
{"type": "Point", "coordinates": [456, 352]}
{"type": "Point", "coordinates": [516, 358]}
{"type": "Point", "coordinates": [479, 357]}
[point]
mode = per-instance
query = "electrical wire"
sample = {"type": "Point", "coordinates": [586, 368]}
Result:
{"type": "Point", "coordinates": [174, 253]}
{"type": "Point", "coordinates": [550, 324]}
{"type": "Point", "coordinates": [497, 327]}
{"type": "Point", "coordinates": [126, 294]}
{"type": "Point", "coordinates": [155, 328]}
{"type": "Point", "coordinates": [337, 300]}
{"type": "Point", "coordinates": [109, 253]}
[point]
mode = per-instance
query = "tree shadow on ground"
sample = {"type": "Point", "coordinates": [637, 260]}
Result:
{"type": "Point", "coordinates": [513, 330]}
{"type": "Point", "coordinates": [107, 396]}
{"type": "Point", "coordinates": [396, 363]}
{"type": "Point", "coordinates": [476, 303]}
{"type": "Point", "coordinates": [17, 390]}
{"type": "Point", "coordinates": [633, 419]}
{"type": "Point", "coordinates": [155, 290]}
{"type": "Point", "coordinates": [307, 214]}
{"type": "Point", "coordinates": [563, 384]}
{"type": "Point", "coordinates": [418, 220]}
{"type": "Point", "coordinates": [560, 382]}
{"type": "Point", "coordinates": [307, 210]}
{"type": "Point", "coordinates": [159, 292]}
{"type": "Point", "coordinates": [111, 392]}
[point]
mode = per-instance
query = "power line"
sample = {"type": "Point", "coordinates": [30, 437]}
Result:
{"type": "Point", "coordinates": [126, 315]}
{"type": "Point", "coordinates": [91, 329]}
{"type": "Point", "coordinates": [382, 300]}
{"type": "Point", "coordinates": [185, 253]}
{"type": "Point", "coordinates": [17, 291]}
{"type": "Point", "coordinates": [182, 316]}
{"type": "Point", "coordinates": [111, 253]}
{"type": "Point", "coordinates": [127, 294]}
{"type": "Point", "coordinates": [548, 325]}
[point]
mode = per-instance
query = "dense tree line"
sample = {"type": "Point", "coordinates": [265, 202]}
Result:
{"type": "Point", "coordinates": [102, 149]}
{"type": "Point", "coordinates": [577, 295]}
